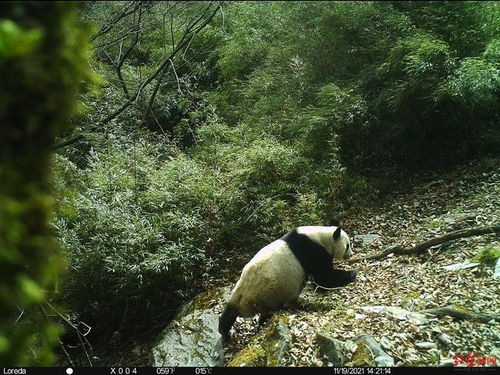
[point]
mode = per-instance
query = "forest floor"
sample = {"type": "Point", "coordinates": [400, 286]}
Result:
{"type": "Point", "coordinates": [427, 206]}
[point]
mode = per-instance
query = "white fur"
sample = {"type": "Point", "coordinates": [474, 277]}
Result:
{"type": "Point", "coordinates": [274, 276]}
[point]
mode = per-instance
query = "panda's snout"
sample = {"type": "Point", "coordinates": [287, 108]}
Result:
{"type": "Point", "coordinates": [348, 251]}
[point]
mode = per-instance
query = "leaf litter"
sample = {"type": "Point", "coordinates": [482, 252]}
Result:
{"type": "Point", "coordinates": [438, 204]}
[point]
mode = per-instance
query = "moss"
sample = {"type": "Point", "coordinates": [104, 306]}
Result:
{"type": "Point", "coordinates": [434, 224]}
{"type": "Point", "coordinates": [272, 332]}
{"type": "Point", "coordinates": [429, 359]}
{"type": "Point", "coordinates": [409, 298]}
{"type": "Point", "coordinates": [277, 339]}
{"type": "Point", "coordinates": [487, 254]}
{"type": "Point", "coordinates": [251, 357]}
{"type": "Point", "coordinates": [203, 301]}
{"type": "Point", "coordinates": [321, 306]}
{"type": "Point", "coordinates": [363, 356]}
{"type": "Point", "coordinates": [276, 319]}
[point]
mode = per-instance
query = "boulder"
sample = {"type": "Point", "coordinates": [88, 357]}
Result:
{"type": "Point", "coordinates": [270, 350]}
{"type": "Point", "coordinates": [192, 337]}
{"type": "Point", "coordinates": [252, 356]}
{"type": "Point", "coordinates": [332, 349]}
{"type": "Point", "coordinates": [277, 340]}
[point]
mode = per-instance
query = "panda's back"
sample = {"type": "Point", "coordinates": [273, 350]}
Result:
{"type": "Point", "coordinates": [272, 277]}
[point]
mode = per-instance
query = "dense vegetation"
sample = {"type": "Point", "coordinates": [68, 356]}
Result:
{"type": "Point", "coordinates": [217, 127]}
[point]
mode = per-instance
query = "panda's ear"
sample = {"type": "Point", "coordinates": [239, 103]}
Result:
{"type": "Point", "coordinates": [334, 223]}
{"type": "Point", "coordinates": [336, 234]}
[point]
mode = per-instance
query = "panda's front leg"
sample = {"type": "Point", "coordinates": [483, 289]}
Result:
{"type": "Point", "coordinates": [263, 317]}
{"type": "Point", "coordinates": [335, 278]}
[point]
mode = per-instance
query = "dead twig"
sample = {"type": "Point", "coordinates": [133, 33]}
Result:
{"type": "Point", "coordinates": [423, 246]}
{"type": "Point", "coordinates": [461, 314]}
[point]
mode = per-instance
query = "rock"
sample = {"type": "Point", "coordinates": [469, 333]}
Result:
{"type": "Point", "coordinates": [425, 345]}
{"type": "Point", "coordinates": [375, 309]}
{"type": "Point", "coordinates": [460, 217]}
{"type": "Point", "coordinates": [460, 266]}
{"type": "Point", "coordinates": [399, 314]}
{"type": "Point", "coordinates": [363, 356]}
{"type": "Point", "coordinates": [444, 339]}
{"type": "Point", "coordinates": [370, 353]}
{"type": "Point", "coordinates": [331, 349]}
{"type": "Point", "coordinates": [385, 342]}
{"type": "Point", "coordinates": [271, 350]}
{"type": "Point", "coordinates": [277, 340]}
{"type": "Point", "coordinates": [366, 238]}
{"type": "Point", "coordinates": [192, 338]}
{"type": "Point", "coordinates": [496, 272]}
{"type": "Point", "coordinates": [449, 362]}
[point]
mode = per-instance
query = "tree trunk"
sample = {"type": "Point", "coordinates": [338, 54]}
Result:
{"type": "Point", "coordinates": [40, 73]}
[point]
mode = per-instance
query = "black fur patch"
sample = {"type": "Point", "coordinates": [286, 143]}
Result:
{"type": "Point", "coordinates": [336, 278]}
{"type": "Point", "coordinates": [227, 319]}
{"type": "Point", "coordinates": [316, 261]}
{"type": "Point", "coordinates": [313, 257]}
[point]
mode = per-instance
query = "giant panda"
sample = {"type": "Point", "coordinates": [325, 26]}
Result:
{"type": "Point", "coordinates": [277, 273]}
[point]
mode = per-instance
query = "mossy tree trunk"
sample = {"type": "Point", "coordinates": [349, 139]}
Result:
{"type": "Point", "coordinates": [42, 63]}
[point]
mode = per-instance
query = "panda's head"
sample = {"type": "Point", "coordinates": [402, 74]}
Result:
{"type": "Point", "coordinates": [332, 238]}
{"type": "Point", "coordinates": [341, 246]}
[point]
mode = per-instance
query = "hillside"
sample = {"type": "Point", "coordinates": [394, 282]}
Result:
{"type": "Point", "coordinates": [432, 205]}
{"type": "Point", "coordinates": [427, 206]}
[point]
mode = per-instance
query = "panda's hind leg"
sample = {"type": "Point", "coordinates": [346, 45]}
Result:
{"type": "Point", "coordinates": [227, 320]}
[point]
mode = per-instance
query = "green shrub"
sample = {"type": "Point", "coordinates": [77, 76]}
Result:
{"type": "Point", "coordinates": [476, 84]}
{"type": "Point", "coordinates": [134, 233]}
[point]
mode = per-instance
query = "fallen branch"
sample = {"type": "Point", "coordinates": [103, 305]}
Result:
{"type": "Point", "coordinates": [461, 314]}
{"type": "Point", "coordinates": [421, 247]}
{"type": "Point", "coordinates": [68, 142]}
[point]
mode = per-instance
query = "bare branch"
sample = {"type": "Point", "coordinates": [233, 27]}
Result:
{"type": "Point", "coordinates": [83, 340]}
{"type": "Point", "coordinates": [194, 27]}
{"type": "Point", "coordinates": [182, 43]}
{"type": "Point", "coordinates": [176, 76]}
{"type": "Point", "coordinates": [462, 314]}
{"type": "Point", "coordinates": [130, 8]}
{"type": "Point", "coordinates": [121, 60]}
{"type": "Point", "coordinates": [421, 247]}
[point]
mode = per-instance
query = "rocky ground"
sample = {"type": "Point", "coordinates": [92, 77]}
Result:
{"type": "Point", "coordinates": [425, 207]}
{"type": "Point", "coordinates": [436, 204]}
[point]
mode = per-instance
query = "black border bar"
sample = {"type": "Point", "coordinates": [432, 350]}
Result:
{"type": "Point", "coordinates": [245, 370]}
